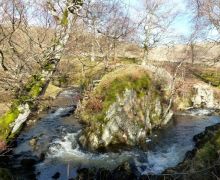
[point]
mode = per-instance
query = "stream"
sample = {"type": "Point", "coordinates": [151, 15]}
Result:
{"type": "Point", "coordinates": [49, 149]}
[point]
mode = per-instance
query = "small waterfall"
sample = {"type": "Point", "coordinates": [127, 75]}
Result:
{"type": "Point", "coordinates": [68, 149]}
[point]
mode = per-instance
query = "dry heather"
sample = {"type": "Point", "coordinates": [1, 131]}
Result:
{"type": "Point", "coordinates": [203, 54]}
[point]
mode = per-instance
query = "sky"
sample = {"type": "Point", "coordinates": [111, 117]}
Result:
{"type": "Point", "coordinates": [182, 24]}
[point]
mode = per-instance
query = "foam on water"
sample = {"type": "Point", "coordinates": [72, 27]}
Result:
{"type": "Point", "coordinates": [199, 112]}
{"type": "Point", "coordinates": [68, 149]}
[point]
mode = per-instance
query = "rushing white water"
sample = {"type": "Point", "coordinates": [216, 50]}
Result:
{"type": "Point", "coordinates": [166, 149]}
{"type": "Point", "coordinates": [199, 112]}
{"type": "Point", "coordinates": [68, 149]}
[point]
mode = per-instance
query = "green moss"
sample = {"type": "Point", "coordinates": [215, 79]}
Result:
{"type": "Point", "coordinates": [113, 85]}
{"type": "Point", "coordinates": [208, 153]}
{"type": "Point", "coordinates": [216, 140]}
{"type": "Point", "coordinates": [31, 90]}
{"type": "Point", "coordinates": [210, 77]}
{"type": "Point", "coordinates": [118, 86]}
{"type": "Point", "coordinates": [64, 20]}
{"type": "Point", "coordinates": [6, 120]}
{"type": "Point", "coordinates": [36, 89]}
{"type": "Point", "coordinates": [48, 67]}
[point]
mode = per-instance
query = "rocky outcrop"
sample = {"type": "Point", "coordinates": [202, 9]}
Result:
{"type": "Point", "coordinates": [204, 97]}
{"type": "Point", "coordinates": [198, 95]}
{"type": "Point", "coordinates": [129, 119]}
{"type": "Point", "coordinates": [21, 118]}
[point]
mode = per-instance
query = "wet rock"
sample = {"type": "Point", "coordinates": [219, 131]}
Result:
{"type": "Point", "coordinates": [104, 174]}
{"type": "Point", "coordinates": [86, 174]}
{"type": "Point", "coordinates": [33, 143]}
{"type": "Point", "coordinates": [69, 113]}
{"type": "Point", "coordinates": [42, 156]}
{"type": "Point", "coordinates": [124, 172]}
{"type": "Point", "coordinates": [204, 97]}
{"type": "Point", "coordinates": [56, 175]}
{"type": "Point", "coordinates": [128, 121]}
{"type": "Point", "coordinates": [157, 177]}
{"type": "Point", "coordinates": [28, 162]}
{"type": "Point", "coordinates": [31, 122]}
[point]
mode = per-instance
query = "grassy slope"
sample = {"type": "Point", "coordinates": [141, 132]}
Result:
{"type": "Point", "coordinates": [210, 76]}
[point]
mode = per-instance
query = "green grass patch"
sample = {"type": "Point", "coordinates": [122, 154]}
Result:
{"type": "Point", "coordinates": [210, 77]}
{"type": "Point", "coordinates": [206, 155]}
{"type": "Point", "coordinates": [127, 60]}
{"type": "Point", "coordinates": [209, 152]}
{"type": "Point", "coordinates": [64, 20]}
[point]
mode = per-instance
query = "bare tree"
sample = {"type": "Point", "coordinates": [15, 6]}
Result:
{"type": "Point", "coordinates": [158, 17]}
{"type": "Point", "coordinates": [93, 13]}
{"type": "Point", "coordinates": [101, 27]}
{"type": "Point", "coordinates": [207, 22]}
{"type": "Point", "coordinates": [21, 42]}
{"type": "Point", "coordinates": [208, 12]}
{"type": "Point", "coordinates": [63, 14]}
{"type": "Point", "coordinates": [116, 27]}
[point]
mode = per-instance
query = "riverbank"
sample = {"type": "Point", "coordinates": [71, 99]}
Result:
{"type": "Point", "coordinates": [203, 161]}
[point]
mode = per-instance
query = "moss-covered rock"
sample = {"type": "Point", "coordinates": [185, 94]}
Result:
{"type": "Point", "coordinates": [52, 91]}
{"type": "Point", "coordinates": [113, 85]}
{"type": "Point", "coordinates": [123, 109]}
{"type": "Point", "coordinates": [21, 107]}
{"type": "Point", "coordinates": [5, 122]}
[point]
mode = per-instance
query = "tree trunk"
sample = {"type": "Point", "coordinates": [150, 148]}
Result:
{"type": "Point", "coordinates": [2, 64]}
{"type": "Point", "coordinates": [145, 58]}
{"type": "Point", "coordinates": [114, 51]}
{"type": "Point", "coordinates": [93, 44]}
{"type": "Point", "coordinates": [93, 53]}
{"type": "Point", "coordinates": [192, 53]}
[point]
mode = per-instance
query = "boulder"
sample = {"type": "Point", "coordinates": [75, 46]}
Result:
{"type": "Point", "coordinates": [204, 97]}
{"type": "Point", "coordinates": [138, 108]}
{"type": "Point", "coordinates": [52, 91]}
